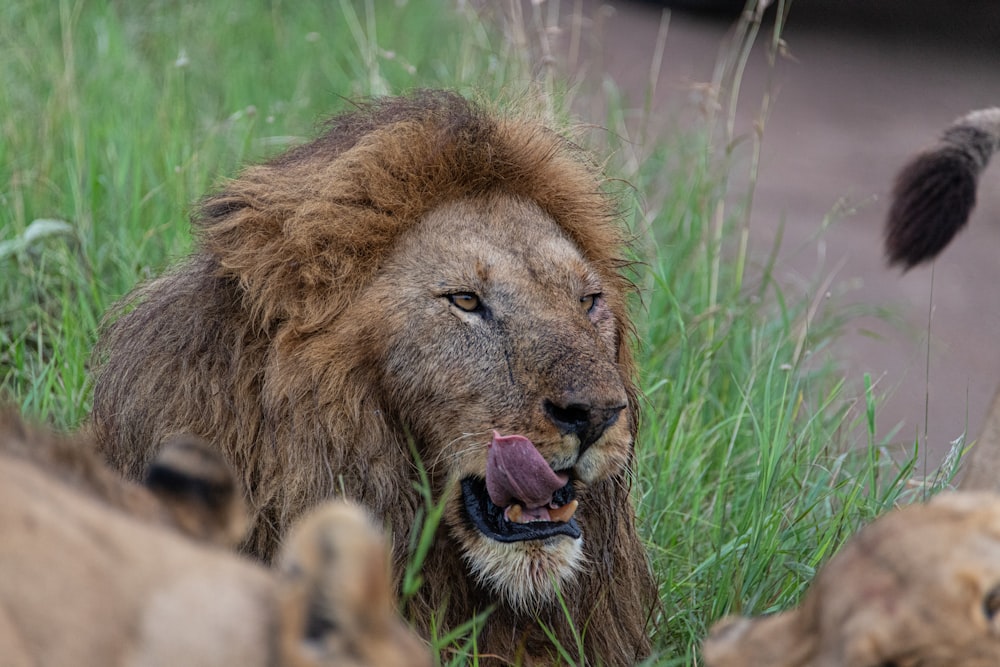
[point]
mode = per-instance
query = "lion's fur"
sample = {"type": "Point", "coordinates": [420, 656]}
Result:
{"type": "Point", "coordinates": [935, 192]}
{"type": "Point", "coordinates": [920, 586]}
{"type": "Point", "coordinates": [95, 575]}
{"type": "Point", "coordinates": [188, 486]}
{"type": "Point", "coordinates": [296, 337]}
{"type": "Point", "coordinates": [335, 590]}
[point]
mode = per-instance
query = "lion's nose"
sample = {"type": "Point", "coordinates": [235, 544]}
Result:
{"type": "Point", "coordinates": [587, 422]}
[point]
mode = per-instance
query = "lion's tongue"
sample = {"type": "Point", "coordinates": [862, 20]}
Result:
{"type": "Point", "coordinates": [515, 471]}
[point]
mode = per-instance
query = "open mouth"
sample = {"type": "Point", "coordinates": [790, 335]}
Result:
{"type": "Point", "coordinates": [495, 522]}
{"type": "Point", "coordinates": [522, 498]}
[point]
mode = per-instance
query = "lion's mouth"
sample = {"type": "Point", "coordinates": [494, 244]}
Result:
{"type": "Point", "coordinates": [522, 498]}
{"type": "Point", "coordinates": [537, 523]}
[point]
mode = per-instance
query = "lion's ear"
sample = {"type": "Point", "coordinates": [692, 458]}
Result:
{"type": "Point", "coordinates": [766, 641]}
{"type": "Point", "coordinates": [198, 490]}
{"type": "Point", "coordinates": [335, 583]}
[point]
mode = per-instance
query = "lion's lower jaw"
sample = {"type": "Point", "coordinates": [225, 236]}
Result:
{"type": "Point", "coordinates": [526, 575]}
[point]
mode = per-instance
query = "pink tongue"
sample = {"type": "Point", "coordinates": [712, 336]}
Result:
{"type": "Point", "coordinates": [516, 471]}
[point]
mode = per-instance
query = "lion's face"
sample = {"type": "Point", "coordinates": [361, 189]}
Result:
{"type": "Point", "coordinates": [919, 587]}
{"type": "Point", "coordinates": [497, 346]}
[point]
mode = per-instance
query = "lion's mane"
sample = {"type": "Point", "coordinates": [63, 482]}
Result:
{"type": "Point", "coordinates": [225, 346]}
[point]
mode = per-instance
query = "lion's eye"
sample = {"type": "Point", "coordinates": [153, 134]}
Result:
{"type": "Point", "coordinates": [466, 301]}
{"type": "Point", "coordinates": [588, 302]}
{"type": "Point", "coordinates": [991, 603]}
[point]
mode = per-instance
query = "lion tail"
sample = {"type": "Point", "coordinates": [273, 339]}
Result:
{"type": "Point", "coordinates": [936, 191]}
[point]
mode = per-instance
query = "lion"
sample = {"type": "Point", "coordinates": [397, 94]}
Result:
{"type": "Point", "coordinates": [919, 586]}
{"type": "Point", "coordinates": [188, 487]}
{"type": "Point", "coordinates": [98, 571]}
{"type": "Point", "coordinates": [932, 199]}
{"type": "Point", "coordinates": [428, 287]}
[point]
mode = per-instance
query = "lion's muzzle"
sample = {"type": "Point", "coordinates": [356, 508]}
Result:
{"type": "Point", "coordinates": [587, 422]}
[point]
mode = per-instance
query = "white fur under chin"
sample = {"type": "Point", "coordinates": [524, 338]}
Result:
{"type": "Point", "coordinates": [526, 574]}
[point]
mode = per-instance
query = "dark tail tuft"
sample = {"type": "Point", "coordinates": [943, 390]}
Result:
{"type": "Point", "coordinates": [931, 201]}
{"type": "Point", "coordinates": [935, 192]}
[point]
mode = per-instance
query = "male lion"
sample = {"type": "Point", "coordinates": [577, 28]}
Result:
{"type": "Point", "coordinates": [932, 199]}
{"type": "Point", "coordinates": [93, 576]}
{"type": "Point", "coordinates": [425, 277]}
{"type": "Point", "coordinates": [920, 586]}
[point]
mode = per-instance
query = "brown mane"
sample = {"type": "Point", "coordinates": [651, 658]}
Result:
{"type": "Point", "coordinates": [325, 214]}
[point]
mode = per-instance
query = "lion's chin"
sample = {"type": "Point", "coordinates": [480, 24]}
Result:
{"type": "Point", "coordinates": [528, 574]}
{"type": "Point", "coordinates": [525, 563]}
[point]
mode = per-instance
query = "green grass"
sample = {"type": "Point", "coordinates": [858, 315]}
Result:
{"type": "Point", "coordinates": [119, 115]}
{"type": "Point", "coordinates": [756, 457]}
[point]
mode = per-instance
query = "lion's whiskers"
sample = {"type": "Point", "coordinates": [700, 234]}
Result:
{"type": "Point", "coordinates": [450, 451]}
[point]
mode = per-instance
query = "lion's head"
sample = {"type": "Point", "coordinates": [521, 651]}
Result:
{"type": "Point", "coordinates": [100, 571]}
{"type": "Point", "coordinates": [498, 352]}
{"type": "Point", "coordinates": [920, 586]}
{"type": "Point", "coordinates": [425, 276]}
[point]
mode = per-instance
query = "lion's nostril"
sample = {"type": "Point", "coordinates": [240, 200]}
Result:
{"type": "Point", "coordinates": [585, 421]}
{"type": "Point", "coordinates": [569, 419]}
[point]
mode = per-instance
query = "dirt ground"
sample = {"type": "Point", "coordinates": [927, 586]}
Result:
{"type": "Point", "coordinates": [866, 85]}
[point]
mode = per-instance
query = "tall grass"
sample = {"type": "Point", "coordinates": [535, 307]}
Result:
{"type": "Point", "coordinates": [756, 457]}
{"type": "Point", "coordinates": [118, 115]}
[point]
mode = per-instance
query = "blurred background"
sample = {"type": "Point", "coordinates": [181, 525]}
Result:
{"type": "Point", "coordinates": [858, 88]}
